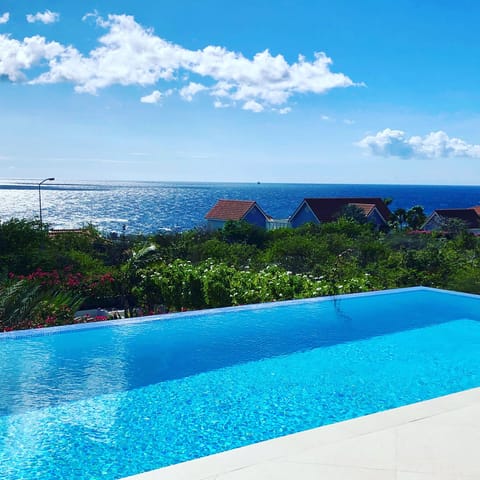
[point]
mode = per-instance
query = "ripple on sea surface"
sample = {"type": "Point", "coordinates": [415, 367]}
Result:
{"type": "Point", "coordinates": [152, 206]}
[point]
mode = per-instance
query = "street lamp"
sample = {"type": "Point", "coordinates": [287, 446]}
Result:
{"type": "Point", "coordinates": [51, 179]}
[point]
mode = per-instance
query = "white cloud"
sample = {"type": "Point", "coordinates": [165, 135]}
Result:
{"type": "Point", "coordinates": [46, 17]}
{"type": "Point", "coordinates": [396, 143]}
{"type": "Point", "coordinates": [253, 106]}
{"type": "Point", "coordinates": [348, 121]}
{"type": "Point", "coordinates": [154, 97]}
{"type": "Point", "coordinates": [284, 111]}
{"type": "Point", "coordinates": [129, 54]}
{"type": "Point", "coordinates": [4, 18]}
{"type": "Point", "coordinates": [191, 90]}
{"type": "Point", "coordinates": [219, 104]}
{"type": "Point", "coordinates": [17, 56]}
{"type": "Point", "coordinates": [93, 15]}
{"type": "Point", "coordinates": [326, 118]}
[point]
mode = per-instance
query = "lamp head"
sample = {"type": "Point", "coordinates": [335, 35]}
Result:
{"type": "Point", "coordinates": [51, 179]}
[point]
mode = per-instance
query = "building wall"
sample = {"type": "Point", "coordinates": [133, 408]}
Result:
{"type": "Point", "coordinates": [304, 215]}
{"type": "Point", "coordinates": [255, 217]}
{"type": "Point", "coordinates": [432, 223]}
{"type": "Point", "coordinates": [215, 225]}
{"type": "Point", "coordinates": [376, 218]}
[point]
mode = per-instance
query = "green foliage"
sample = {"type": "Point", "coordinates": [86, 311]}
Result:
{"type": "Point", "coordinates": [22, 245]}
{"type": "Point", "coordinates": [415, 217]}
{"type": "Point", "coordinates": [396, 240]}
{"type": "Point", "coordinates": [454, 226]}
{"type": "Point", "coordinates": [353, 213]}
{"type": "Point", "coordinates": [181, 285]}
{"type": "Point", "coordinates": [297, 254]}
{"type": "Point", "coordinates": [243, 232]}
{"type": "Point", "coordinates": [27, 304]}
{"type": "Point", "coordinates": [466, 279]}
{"type": "Point", "coordinates": [271, 284]}
{"type": "Point", "coordinates": [237, 265]}
{"type": "Point", "coordinates": [215, 280]}
{"type": "Point", "coordinates": [79, 261]}
{"type": "Point", "coordinates": [17, 235]}
{"type": "Point", "coordinates": [237, 254]}
{"type": "Point", "coordinates": [346, 227]}
{"type": "Point", "coordinates": [129, 274]}
{"type": "Point", "coordinates": [398, 220]}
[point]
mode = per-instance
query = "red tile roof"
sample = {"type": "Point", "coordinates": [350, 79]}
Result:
{"type": "Point", "coordinates": [230, 209]}
{"type": "Point", "coordinates": [477, 209]}
{"type": "Point", "coordinates": [366, 208]}
{"type": "Point", "coordinates": [327, 209]}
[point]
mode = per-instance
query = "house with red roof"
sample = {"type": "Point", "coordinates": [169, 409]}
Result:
{"type": "Point", "coordinates": [470, 216]}
{"type": "Point", "coordinates": [236, 210]}
{"type": "Point", "coordinates": [321, 210]}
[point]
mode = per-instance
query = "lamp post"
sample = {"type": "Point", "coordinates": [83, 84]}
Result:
{"type": "Point", "coordinates": [51, 179]}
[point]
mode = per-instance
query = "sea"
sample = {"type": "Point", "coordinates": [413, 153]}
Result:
{"type": "Point", "coordinates": [150, 207]}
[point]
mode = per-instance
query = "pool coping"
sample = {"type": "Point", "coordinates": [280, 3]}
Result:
{"type": "Point", "coordinates": [411, 432]}
{"type": "Point", "coordinates": [17, 334]}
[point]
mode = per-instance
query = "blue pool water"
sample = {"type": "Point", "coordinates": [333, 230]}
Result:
{"type": "Point", "coordinates": [110, 401]}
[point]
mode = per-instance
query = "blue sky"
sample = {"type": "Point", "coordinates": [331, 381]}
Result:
{"type": "Point", "coordinates": [272, 91]}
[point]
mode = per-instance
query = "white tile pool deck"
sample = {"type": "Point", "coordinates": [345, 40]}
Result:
{"type": "Point", "coordinates": [436, 439]}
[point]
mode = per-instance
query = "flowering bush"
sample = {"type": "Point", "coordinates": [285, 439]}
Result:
{"type": "Point", "coordinates": [182, 285]}
{"type": "Point", "coordinates": [93, 287]}
{"type": "Point", "coordinates": [31, 304]}
{"type": "Point", "coordinates": [49, 314]}
{"type": "Point", "coordinates": [46, 299]}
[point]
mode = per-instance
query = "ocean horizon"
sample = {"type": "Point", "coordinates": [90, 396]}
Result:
{"type": "Point", "coordinates": [150, 206]}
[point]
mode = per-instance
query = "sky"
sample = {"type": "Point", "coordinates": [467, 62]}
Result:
{"type": "Point", "coordinates": [296, 91]}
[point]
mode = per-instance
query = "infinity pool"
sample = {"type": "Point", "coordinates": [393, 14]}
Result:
{"type": "Point", "coordinates": [114, 399]}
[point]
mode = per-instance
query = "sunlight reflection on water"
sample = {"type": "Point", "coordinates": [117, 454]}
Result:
{"type": "Point", "coordinates": [153, 206]}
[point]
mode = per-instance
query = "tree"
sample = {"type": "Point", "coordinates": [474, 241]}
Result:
{"type": "Point", "coordinates": [297, 253]}
{"type": "Point", "coordinates": [22, 245]}
{"type": "Point", "coordinates": [399, 219]}
{"type": "Point", "coordinates": [129, 272]}
{"type": "Point", "coordinates": [31, 304]}
{"type": "Point", "coordinates": [453, 226]}
{"type": "Point", "coordinates": [243, 232]}
{"type": "Point", "coordinates": [415, 217]}
{"type": "Point", "coordinates": [353, 213]}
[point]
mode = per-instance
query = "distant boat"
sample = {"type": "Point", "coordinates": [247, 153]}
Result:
{"type": "Point", "coordinates": [258, 183]}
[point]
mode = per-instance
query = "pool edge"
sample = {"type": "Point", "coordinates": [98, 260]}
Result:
{"type": "Point", "coordinates": [16, 334]}
{"type": "Point", "coordinates": [273, 455]}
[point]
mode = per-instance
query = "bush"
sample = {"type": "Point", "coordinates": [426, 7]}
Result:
{"type": "Point", "coordinates": [28, 303]}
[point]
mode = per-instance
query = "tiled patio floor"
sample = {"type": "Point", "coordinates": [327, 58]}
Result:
{"type": "Point", "coordinates": [436, 439]}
